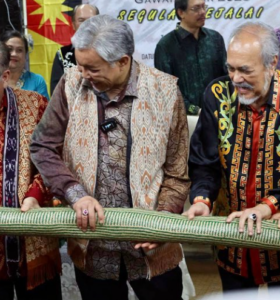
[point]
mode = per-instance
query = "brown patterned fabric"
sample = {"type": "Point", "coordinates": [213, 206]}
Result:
{"type": "Point", "coordinates": [175, 186]}
{"type": "Point", "coordinates": [103, 257]}
{"type": "Point", "coordinates": [96, 164]}
{"type": "Point", "coordinates": [151, 108]}
{"type": "Point", "coordinates": [151, 122]}
{"type": "Point", "coordinates": [40, 259]}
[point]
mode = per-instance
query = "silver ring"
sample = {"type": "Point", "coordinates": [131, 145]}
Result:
{"type": "Point", "coordinates": [253, 217]}
{"type": "Point", "coordinates": [85, 212]}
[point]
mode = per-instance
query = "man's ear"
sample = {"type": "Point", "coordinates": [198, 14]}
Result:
{"type": "Point", "coordinates": [274, 64]}
{"type": "Point", "coordinates": [6, 77]}
{"type": "Point", "coordinates": [180, 12]}
{"type": "Point", "coordinates": [74, 25]}
{"type": "Point", "coordinates": [124, 61]}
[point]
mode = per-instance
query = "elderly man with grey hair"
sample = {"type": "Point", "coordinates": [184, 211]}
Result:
{"type": "Point", "coordinates": [235, 156]}
{"type": "Point", "coordinates": [118, 137]}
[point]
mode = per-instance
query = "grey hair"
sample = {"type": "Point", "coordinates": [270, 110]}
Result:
{"type": "Point", "coordinates": [267, 37]}
{"type": "Point", "coordinates": [109, 37]}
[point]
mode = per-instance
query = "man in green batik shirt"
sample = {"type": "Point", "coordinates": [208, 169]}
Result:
{"type": "Point", "coordinates": [191, 52]}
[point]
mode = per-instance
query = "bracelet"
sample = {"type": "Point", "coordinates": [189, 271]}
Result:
{"type": "Point", "coordinates": [203, 200]}
{"type": "Point", "coordinates": [271, 204]}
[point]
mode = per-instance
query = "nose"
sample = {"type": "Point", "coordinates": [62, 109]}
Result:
{"type": "Point", "coordinates": [236, 76]}
{"type": "Point", "coordinates": [84, 72]}
{"type": "Point", "coordinates": [13, 52]}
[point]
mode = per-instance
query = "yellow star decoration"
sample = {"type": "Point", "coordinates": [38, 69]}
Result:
{"type": "Point", "coordinates": [51, 10]}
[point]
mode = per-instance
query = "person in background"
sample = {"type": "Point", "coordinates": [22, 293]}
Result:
{"type": "Point", "coordinates": [29, 265]}
{"type": "Point", "coordinates": [191, 52]}
{"type": "Point", "coordinates": [124, 132]}
{"type": "Point", "coordinates": [234, 157]}
{"type": "Point", "coordinates": [19, 77]}
{"type": "Point", "coordinates": [65, 56]}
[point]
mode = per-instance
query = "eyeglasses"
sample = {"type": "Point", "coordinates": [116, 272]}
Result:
{"type": "Point", "coordinates": [197, 9]}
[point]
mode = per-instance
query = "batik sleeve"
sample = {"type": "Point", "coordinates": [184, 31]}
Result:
{"type": "Point", "coordinates": [175, 186]}
{"type": "Point", "coordinates": [46, 148]}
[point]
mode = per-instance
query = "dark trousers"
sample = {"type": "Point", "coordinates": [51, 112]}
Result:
{"type": "Point", "coordinates": [163, 287]}
{"type": "Point", "coordinates": [49, 290]}
{"type": "Point", "coordinates": [233, 282]}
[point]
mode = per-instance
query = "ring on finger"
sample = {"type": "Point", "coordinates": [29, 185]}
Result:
{"type": "Point", "coordinates": [85, 212]}
{"type": "Point", "coordinates": [253, 217]}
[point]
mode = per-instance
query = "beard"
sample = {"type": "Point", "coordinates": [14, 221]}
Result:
{"type": "Point", "coordinates": [246, 101]}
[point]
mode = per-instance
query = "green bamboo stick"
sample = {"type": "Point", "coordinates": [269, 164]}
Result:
{"type": "Point", "coordinates": [138, 225]}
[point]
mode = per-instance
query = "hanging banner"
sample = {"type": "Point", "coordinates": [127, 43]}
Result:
{"type": "Point", "coordinates": [49, 23]}
{"type": "Point", "coordinates": [151, 19]}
